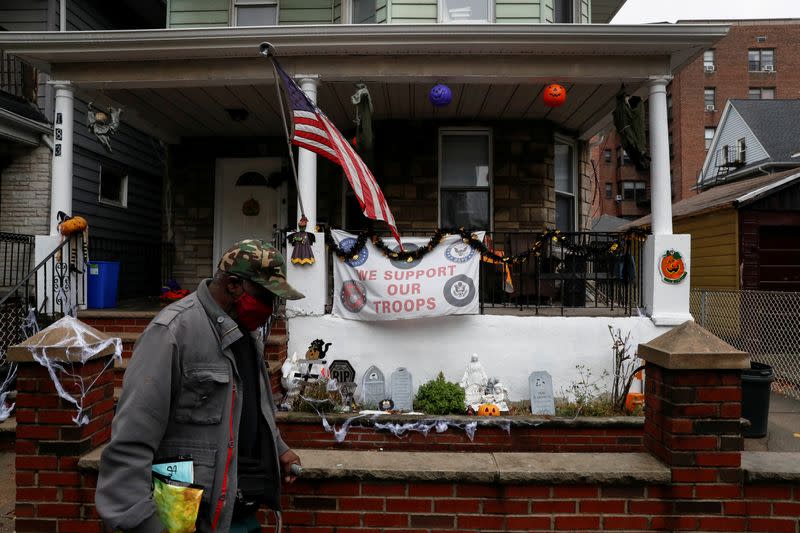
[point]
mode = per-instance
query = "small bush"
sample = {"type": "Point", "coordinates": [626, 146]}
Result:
{"type": "Point", "coordinates": [440, 397]}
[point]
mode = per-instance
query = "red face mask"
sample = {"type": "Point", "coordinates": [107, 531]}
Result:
{"type": "Point", "coordinates": [250, 312]}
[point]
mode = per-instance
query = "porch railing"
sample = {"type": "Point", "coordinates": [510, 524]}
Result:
{"type": "Point", "coordinates": [144, 265]}
{"type": "Point", "coordinates": [16, 257]}
{"type": "Point", "coordinates": [596, 272]}
{"type": "Point", "coordinates": [53, 288]}
{"type": "Point", "coordinates": [17, 77]}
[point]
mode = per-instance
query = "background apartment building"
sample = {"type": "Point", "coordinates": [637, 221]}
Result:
{"type": "Point", "coordinates": [758, 59]}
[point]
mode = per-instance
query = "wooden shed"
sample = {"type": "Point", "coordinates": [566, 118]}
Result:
{"type": "Point", "coordinates": [745, 234]}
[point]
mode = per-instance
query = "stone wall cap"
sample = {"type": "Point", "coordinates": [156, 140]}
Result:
{"type": "Point", "coordinates": [504, 468]}
{"type": "Point", "coordinates": [692, 347]}
{"type": "Point", "coordinates": [57, 341]}
{"type": "Point", "coordinates": [770, 467]}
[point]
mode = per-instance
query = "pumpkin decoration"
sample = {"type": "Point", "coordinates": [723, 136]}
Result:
{"type": "Point", "coordinates": [440, 95]}
{"type": "Point", "coordinates": [488, 409]}
{"type": "Point", "coordinates": [555, 95]}
{"type": "Point", "coordinates": [72, 225]}
{"type": "Point", "coordinates": [673, 269]}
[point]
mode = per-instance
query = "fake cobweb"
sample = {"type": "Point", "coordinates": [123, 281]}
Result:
{"type": "Point", "coordinates": [63, 354]}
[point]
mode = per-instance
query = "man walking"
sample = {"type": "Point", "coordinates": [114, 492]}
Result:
{"type": "Point", "coordinates": [197, 388]}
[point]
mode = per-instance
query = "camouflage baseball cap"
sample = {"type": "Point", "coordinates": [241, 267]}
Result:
{"type": "Point", "coordinates": [259, 262]}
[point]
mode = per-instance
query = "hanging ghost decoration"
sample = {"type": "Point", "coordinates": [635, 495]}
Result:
{"type": "Point", "coordinates": [103, 123]}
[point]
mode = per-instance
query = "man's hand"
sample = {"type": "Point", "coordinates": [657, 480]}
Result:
{"type": "Point", "coordinates": [287, 460]}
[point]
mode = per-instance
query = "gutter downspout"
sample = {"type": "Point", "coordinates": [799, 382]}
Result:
{"type": "Point", "coordinates": [63, 16]}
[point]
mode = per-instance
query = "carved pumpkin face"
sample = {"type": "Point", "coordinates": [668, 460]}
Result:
{"type": "Point", "coordinates": [488, 409]}
{"type": "Point", "coordinates": [672, 267]}
{"type": "Point", "coordinates": [555, 95]}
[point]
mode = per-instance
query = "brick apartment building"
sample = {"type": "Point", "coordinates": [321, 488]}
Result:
{"type": "Point", "coordinates": [757, 59]}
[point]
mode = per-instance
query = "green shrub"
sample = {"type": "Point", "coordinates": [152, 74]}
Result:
{"type": "Point", "coordinates": [440, 397]}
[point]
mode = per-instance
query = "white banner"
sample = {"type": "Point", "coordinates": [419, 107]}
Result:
{"type": "Point", "coordinates": [373, 287]}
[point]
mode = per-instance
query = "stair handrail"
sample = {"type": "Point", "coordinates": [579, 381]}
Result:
{"type": "Point", "coordinates": [36, 269]}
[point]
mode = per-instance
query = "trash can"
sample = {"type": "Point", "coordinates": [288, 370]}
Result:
{"type": "Point", "coordinates": [102, 284]}
{"type": "Point", "coordinates": [755, 398]}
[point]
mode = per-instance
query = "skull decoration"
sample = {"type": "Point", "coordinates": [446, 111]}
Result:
{"type": "Point", "coordinates": [555, 95]}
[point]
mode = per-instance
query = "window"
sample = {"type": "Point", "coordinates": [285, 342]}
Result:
{"type": "Point", "coordinates": [255, 12]}
{"type": "Point", "coordinates": [761, 93]}
{"type": "Point", "coordinates": [622, 157]}
{"type": "Point", "coordinates": [608, 191]}
{"type": "Point", "coordinates": [726, 154]}
{"type": "Point", "coordinates": [761, 60]}
{"type": "Point", "coordinates": [633, 190]}
{"type": "Point", "coordinates": [564, 11]}
{"type": "Point", "coordinates": [708, 60]}
{"type": "Point", "coordinates": [709, 97]}
{"type": "Point", "coordinates": [465, 11]}
{"type": "Point", "coordinates": [464, 178]}
{"type": "Point", "coordinates": [359, 11]}
{"type": "Point", "coordinates": [565, 177]}
{"type": "Point", "coordinates": [113, 186]}
{"type": "Point", "coordinates": [741, 151]}
{"type": "Point", "coordinates": [709, 136]}
{"type": "Point", "coordinates": [607, 155]}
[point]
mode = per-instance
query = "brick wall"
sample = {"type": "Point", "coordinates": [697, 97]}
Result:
{"type": "Point", "coordinates": [301, 431]}
{"type": "Point", "coordinates": [25, 193]}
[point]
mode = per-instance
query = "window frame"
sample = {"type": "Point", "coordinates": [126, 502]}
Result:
{"type": "Point", "coordinates": [609, 191]}
{"type": "Point", "coordinates": [607, 155]}
{"type": "Point", "coordinates": [760, 61]}
{"type": "Point", "coordinates": [713, 61]}
{"type": "Point", "coordinates": [713, 91]}
{"type": "Point", "coordinates": [637, 188]}
{"type": "Point", "coordinates": [573, 144]}
{"type": "Point", "coordinates": [709, 140]}
{"type": "Point", "coordinates": [760, 91]}
{"type": "Point", "coordinates": [123, 202]}
{"type": "Point", "coordinates": [576, 12]}
{"type": "Point", "coordinates": [440, 11]}
{"type": "Point", "coordinates": [741, 151]}
{"type": "Point", "coordinates": [236, 4]}
{"type": "Point", "coordinates": [346, 16]}
{"type": "Point", "coordinates": [466, 131]}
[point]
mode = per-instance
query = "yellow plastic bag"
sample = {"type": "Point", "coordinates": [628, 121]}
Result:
{"type": "Point", "coordinates": [177, 503]}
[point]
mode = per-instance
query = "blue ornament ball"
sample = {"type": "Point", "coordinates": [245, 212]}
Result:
{"type": "Point", "coordinates": [440, 95]}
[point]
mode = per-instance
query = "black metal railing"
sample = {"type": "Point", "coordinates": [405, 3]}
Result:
{"type": "Point", "coordinates": [17, 77]}
{"type": "Point", "coordinates": [55, 287]}
{"type": "Point", "coordinates": [597, 270]}
{"type": "Point", "coordinates": [16, 258]}
{"type": "Point", "coordinates": [144, 265]}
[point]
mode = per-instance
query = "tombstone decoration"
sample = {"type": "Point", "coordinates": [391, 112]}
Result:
{"type": "Point", "coordinates": [474, 382]}
{"type": "Point", "coordinates": [344, 373]}
{"type": "Point", "coordinates": [373, 386]}
{"type": "Point", "coordinates": [402, 388]}
{"type": "Point", "coordinates": [542, 400]}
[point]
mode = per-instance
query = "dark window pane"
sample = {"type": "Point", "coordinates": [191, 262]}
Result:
{"type": "Point", "coordinates": [363, 11]}
{"type": "Point", "coordinates": [564, 11]}
{"type": "Point", "coordinates": [565, 212]}
{"type": "Point", "coordinates": [608, 190]}
{"type": "Point", "coordinates": [468, 209]}
{"type": "Point", "coordinates": [256, 15]}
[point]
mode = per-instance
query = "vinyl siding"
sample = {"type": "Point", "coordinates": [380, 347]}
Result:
{"type": "Point", "coordinates": [306, 12]}
{"type": "Point", "coordinates": [715, 249]}
{"type": "Point", "coordinates": [547, 12]}
{"type": "Point", "coordinates": [23, 15]}
{"type": "Point", "coordinates": [518, 11]}
{"type": "Point", "coordinates": [337, 11]}
{"type": "Point", "coordinates": [733, 129]}
{"type": "Point", "coordinates": [197, 13]}
{"type": "Point", "coordinates": [412, 11]}
{"type": "Point", "coordinates": [381, 11]}
{"type": "Point", "coordinates": [586, 11]}
{"type": "Point", "coordinates": [134, 152]}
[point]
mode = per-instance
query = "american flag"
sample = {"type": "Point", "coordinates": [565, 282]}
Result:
{"type": "Point", "coordinates": [314, 131]}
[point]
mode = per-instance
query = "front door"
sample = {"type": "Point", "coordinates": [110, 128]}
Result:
{"type": "Point", "coordinates": [245, 206]}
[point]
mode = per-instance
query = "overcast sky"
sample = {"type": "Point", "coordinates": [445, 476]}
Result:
{"type": "Point", "coordinates": [642, 11]}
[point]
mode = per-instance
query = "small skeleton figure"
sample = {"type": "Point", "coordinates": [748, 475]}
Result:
{"type": "Point", "coordinates": [103, 124]}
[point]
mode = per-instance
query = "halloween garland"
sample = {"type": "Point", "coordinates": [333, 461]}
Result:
{"type": "Point", "coordinates": [593, 249]}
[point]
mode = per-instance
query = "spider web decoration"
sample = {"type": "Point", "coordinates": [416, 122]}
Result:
{"type": "Point", "coordinates": [5, 388]}
{"type": "Point", "coordinates": [64, 345]}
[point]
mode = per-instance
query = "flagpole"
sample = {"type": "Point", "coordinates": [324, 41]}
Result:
{"type": "Point", "coordinates": [268, 51]}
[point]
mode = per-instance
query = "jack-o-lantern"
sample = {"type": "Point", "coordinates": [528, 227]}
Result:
{"type": "Point", "coordinates": [672, 267]}
{"type": "Point", "coordinates": [72, 225]}
{"type": "Point", "coordinates": [554, 95]}
{"type": "Point", "coordinates": [488, 409]}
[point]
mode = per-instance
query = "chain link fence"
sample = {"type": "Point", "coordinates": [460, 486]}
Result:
{"type": "Point", "coordinates": [765, 324]}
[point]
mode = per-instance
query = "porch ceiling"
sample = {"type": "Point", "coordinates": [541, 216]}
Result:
{"type": "Point", "coordinates": [201, 111]}
{"type": "Point", "coordinates": [182, 81]}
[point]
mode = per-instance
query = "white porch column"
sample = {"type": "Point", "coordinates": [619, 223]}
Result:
{"type": "Point", "coordinates": [666, 296]}
{"type": "Point", "coordinates": [307, 163]}
{"type": "Point", "coordinates": [61, 180]}
{"type": "Point", "coordinates": [311, 280]}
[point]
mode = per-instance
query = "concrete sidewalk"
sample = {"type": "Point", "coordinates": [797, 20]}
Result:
{"type": "Point", "coordinates": [783, 430]}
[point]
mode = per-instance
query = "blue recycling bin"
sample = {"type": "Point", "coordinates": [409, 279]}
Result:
{"type": "Point", "coordinates": [102, 284]}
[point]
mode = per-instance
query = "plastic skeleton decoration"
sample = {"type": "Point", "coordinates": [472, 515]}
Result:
{"type": "Point", "coordinates": [103, 123]}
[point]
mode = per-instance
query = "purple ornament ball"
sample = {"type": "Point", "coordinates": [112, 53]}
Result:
{"type": "Point", "coordinates": [440, 95]}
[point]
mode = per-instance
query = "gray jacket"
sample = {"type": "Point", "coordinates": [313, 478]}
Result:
{"type": "Point", "coordinates": [179, 398]}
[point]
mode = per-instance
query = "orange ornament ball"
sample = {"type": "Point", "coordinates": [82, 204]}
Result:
{"type": "Point", "coordinates": [555, 95]}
